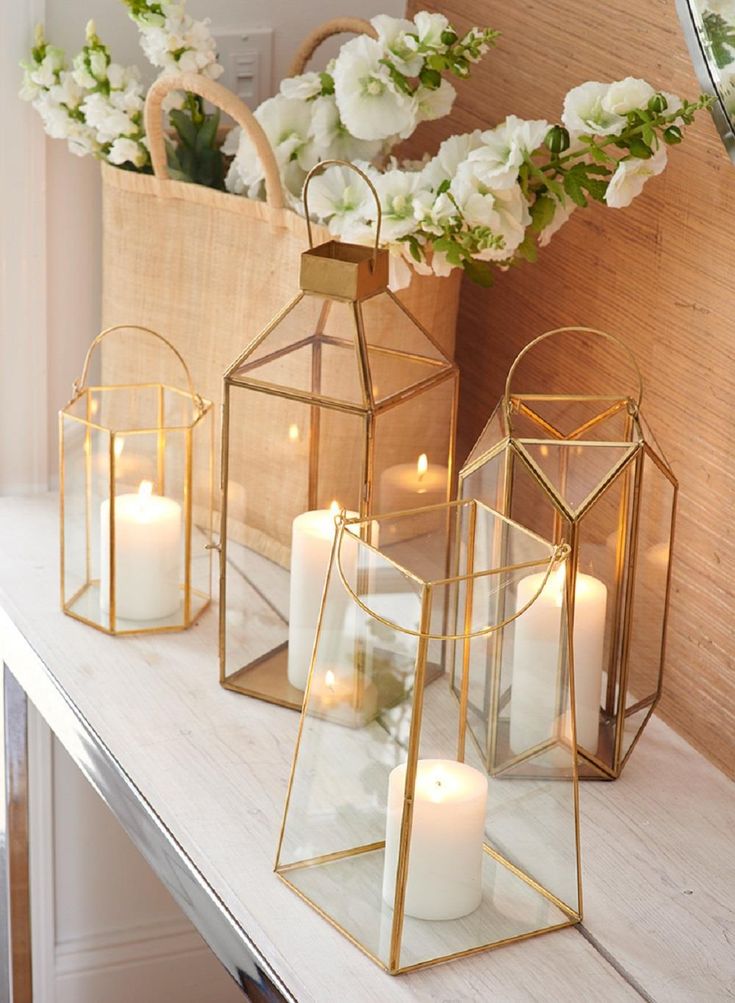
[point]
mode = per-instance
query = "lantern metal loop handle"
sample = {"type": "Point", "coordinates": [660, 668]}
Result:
{"type": "Point", "coordinates": [577, 330]}
{"type": "Point", "coordinates": [81, 383]}
{"type": "Point", "coordinates": [317, 169]}
{"type": "Point", "coordinates": [559, 554]}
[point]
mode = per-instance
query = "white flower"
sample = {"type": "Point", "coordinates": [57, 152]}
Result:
{"type": "Point", "coordinates": [52, 63]}
{"type": "Point", "coordinates": [332, 140]}
{"type": "Point", "coordinates": [431, 212]}
{"type": "Point", "coordinates": [497, 161]}
{"type": "Point", "coordinates": [452, 152]}
{"type": "Point", "coordinates": [305, 86]}
{"type": "Point", "coordinates": [55, 117]}
{"type": "Point", "coordinates": [437, 103]}
{"type": "Point", "coordinates": [630, 177]}
{"type": "Point", "coordinates": [67, 91]}
{"type": "Point", "coordinates": [562, 212]}
{"type": "Point", "coordinates": [108, 122]}
{"type": "Point", "coordinates": [98, 64]}
{"type": "Point", "coordinates": [584, 111]}
{"type": "Point", "coordinates": [154, 42]}
{"type": "Point", "coordinates": [340, 197]}
{"type": "Point", "coordinates": [286, 123]}
{"type": "Point", "coordinates": [674, 103]}
{"type": "Point", "coordinates": [503, 211]}
{"type": "Point", "coordinates": [398, 36]}
{"type": "Point", "coordinates": [627, 95]}
{"type": "Point", "coordinates": [430, 28]}
{"type": "Point", "coordinates": [396, 191]}
{"type": "Point", "coordinates": [368, 102]}
{"type": "Point", "coordinates": [124, 150]}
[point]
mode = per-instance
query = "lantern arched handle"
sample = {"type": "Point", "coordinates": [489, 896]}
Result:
{"type": "Point", "coordinates": [317, 169]}
{"type": "Point", "coordinates": [80, 384]}
{"type": "Point", "coordinates": [556, 559]}
{"type": "Point", "coordinates": [576, 330]}
{"type": "Point", "coordinates": [336, 26]}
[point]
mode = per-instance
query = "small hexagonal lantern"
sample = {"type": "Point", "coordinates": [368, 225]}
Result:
{"type": "Point", "coordinates": [584, 469]}
{"type": "Point", "coordinates": [136, 501]}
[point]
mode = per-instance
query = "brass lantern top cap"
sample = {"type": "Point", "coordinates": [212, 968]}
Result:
{"type": "Point", "coordinates": [344, 271]}
{"type": "Point", "coordinates": [340, 270]}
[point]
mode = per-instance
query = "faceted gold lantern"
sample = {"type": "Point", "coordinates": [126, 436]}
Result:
{"type": "Point", "coordinates": [136, 510]}
{"type": "Point", "coordinates": [343, 401]}
{"type": "Point", "coordinates": [395, 830]}
{"type": "Point", "coordinates": [584, 469]}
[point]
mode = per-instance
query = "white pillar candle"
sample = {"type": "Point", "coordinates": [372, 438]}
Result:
{"type": "Point", "coordinates": [445, 850]}
{"type": "Point", "coordinates": [148, 551]}
{"type": "Point", "coordinates": [534, 692]}
{"type": "Point", "coordinates": [312, 536]}
{"type": "Point", "coordinates": [410, 485]}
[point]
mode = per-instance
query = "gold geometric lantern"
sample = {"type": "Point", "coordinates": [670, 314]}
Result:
{"type": "Point", "coordinates": [584, 469]}
{"type": "Point", "coordinates": [343, 401]}
{"type": "Point", "coordinates": [135, 474]}
{"type": "Point", "coordinates": [394, 829]}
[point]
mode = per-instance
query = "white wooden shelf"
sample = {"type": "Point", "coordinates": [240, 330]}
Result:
{"type": "Point", "coordinates": [201, 773]}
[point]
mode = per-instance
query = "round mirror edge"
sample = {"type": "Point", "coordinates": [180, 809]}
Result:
{"type": "Point", "coordinates": [693, 37]}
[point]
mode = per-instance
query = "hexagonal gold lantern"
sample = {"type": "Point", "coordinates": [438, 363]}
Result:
{"type": "Point", "coordinates": [586, 470]}
{"type": "Point", "coordinates": [136, 483]}
{"type": "Point", "coordinates": [342, 401]}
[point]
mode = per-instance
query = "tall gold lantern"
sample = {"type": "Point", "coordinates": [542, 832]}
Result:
{"type": "Point", "coordinates": [136, 483]}
{"type": "Point", "coordinates": [394, 829]}
{"type": "Point", "coordinates": [344, 401]}
{"type": "Point", "coordinates": [584, 469]}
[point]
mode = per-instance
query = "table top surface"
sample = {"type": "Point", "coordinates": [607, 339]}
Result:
{"type": "Point", "coordinates": [658, 844]}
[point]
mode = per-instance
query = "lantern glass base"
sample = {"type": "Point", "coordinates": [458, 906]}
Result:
{"type": "Point", "coordinates": [346, 888]}
{"type": "Point", "coordinates": [86, 606]}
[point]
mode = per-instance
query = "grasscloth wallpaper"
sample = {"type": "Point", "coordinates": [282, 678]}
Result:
{"type": "Point", "coordinates": [660, 274]}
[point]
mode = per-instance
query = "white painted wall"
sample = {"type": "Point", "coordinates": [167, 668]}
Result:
{"type": "Point", "coordinates": [105, 931]}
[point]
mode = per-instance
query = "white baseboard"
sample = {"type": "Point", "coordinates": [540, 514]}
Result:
{"type": "Point", "coordinates": [128, 946]}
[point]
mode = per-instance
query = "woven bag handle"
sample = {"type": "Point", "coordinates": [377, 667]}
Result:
{"type": "Point", "coordinates": [610, 338]}
{"type": "Point", "coordinates": [228, 102]}
{"type": "Point", "coordinates": [337, 26]}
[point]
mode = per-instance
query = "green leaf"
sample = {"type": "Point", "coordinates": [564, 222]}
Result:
{"type": "Point", "coordinates": [430, 78]}
{"type": "Point", "coordinates": [327, 82]}
{"type": "Point", "coordinates": [207, 132]}
{"type": "Point", "coordinates": [480, 272]}
{"type": "Point", "coordinates": [573, 188]}
{"type": "Point", "coordinates": [528, 250]}
{"type": "Point", "coordinates": [184, 127]}
{"type": "Point", "coordinates": [639, 149]}
{"type": "Point", "coordinates": [542, 212]}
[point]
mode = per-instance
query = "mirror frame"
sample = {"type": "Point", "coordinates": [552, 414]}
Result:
{"type": "Point", "coordinates": [694, 34]}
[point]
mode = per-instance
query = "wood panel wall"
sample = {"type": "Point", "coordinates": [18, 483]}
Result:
{"type": "Point", "coordinates": [659, 274]}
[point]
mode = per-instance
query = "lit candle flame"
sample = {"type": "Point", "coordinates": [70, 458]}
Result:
{"type": "Point", "coordinates": [293, 433]}
{"type": "Point", "coordinates": [145, 489]}
{"type": "Point", "coordinates": [422, 465]}
{"type": "Point", "coordinates": [329, 680]}
{"type": "Point", "coordinates": [334, 508]}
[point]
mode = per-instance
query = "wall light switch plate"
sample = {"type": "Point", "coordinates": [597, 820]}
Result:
{"type": "Point", "coordinates": [247, 58]}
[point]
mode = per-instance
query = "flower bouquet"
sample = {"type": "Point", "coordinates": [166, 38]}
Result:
{"type": "Point", "coordinates": [485, 200]}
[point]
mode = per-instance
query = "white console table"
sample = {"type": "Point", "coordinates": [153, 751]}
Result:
{"type": "Point", "coordinates": [197, 776]}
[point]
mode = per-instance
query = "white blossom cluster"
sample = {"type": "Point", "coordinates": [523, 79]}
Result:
{"type": "Point", "coordinates": [364, 103]}
{"type": "Point", "coordinates": [96, 105]}
{"type": "Point", "coordinates": [474, 184]}
{"type": "Point", "coordinates": [175, 42]}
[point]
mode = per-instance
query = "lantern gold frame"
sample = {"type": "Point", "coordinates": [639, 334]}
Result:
{"type": "Point", "coordinates": [531, 880]}
{"type": "Point", "coordinates": [196, 498]}
{"type": "Point", "coordinates": [338, 275]}
{"type": "Point", "coordinates": [509, 459]}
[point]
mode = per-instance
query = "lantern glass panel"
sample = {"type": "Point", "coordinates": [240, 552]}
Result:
{"type": "Point", "coordinates": [367, 712]}
{"type": "Point", "coordinates": [649, 596]}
